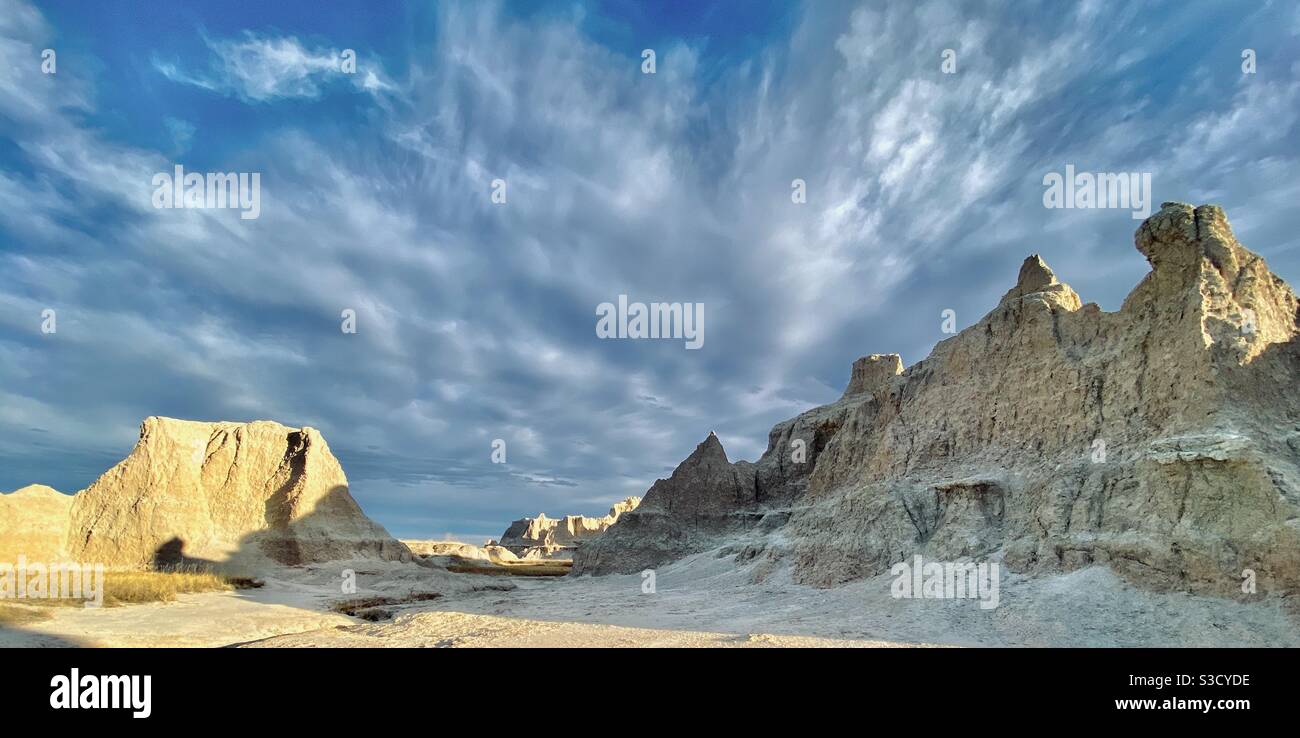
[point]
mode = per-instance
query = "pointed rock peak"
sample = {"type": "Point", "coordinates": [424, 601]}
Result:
{"type": "Point", "coordinates": [1035, 275]}
{"type": "Point", "coordinates": [710, 447]}
{"type": "Point", "coordinates": [873, 372]}
{"type": "Point", "coordinates": [1036, 278]}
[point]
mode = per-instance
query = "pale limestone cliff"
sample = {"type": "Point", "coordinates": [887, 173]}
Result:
{"type": "Point", "coordinates": [244, 494]}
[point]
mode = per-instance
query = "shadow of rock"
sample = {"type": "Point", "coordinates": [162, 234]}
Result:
{"type": "Point", "coordinates": [336, 529]}
{"type": "Point", "coordinates": [171, 557]}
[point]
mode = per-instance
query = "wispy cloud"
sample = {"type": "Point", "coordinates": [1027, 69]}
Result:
{"type": "Point", "coordinates": [261, 68]}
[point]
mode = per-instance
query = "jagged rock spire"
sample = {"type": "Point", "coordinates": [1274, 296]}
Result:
{"type": "Point", "coordinates": [1037, 278]}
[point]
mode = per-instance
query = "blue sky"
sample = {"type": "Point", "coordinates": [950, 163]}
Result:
{"type": "Point", "coordinates": [475, 320]}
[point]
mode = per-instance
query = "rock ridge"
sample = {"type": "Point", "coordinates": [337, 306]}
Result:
{"type": "Point", "coordinates": [1161, 440]}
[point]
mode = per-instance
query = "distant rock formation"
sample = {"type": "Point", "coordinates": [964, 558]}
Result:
{"type": "Point", "coordinates": [34, 524]}
{"type": "Point", "coordinates": [489, 551]}
{"type": "Point", "coordinates": [1162, 440]}
{"type": "Point", "coordinates": [444, 548]}
{"type": "Point", "coordinates": [557, 538]}
{"type": "Point", "coordinates": [235, 493]}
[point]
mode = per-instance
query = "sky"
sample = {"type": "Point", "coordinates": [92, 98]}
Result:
{"type": "Point", "coordinates": [475, 319]}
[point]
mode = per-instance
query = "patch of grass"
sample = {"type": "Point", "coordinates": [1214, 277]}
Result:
{"type": "Point", "coordinates": [138, 587]}
{"type": "Point", "coordinates": [135, 587]}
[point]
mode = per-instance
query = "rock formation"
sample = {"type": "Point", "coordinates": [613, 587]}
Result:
{"type": "Point", "coordinates": [489, 551]}
{"type": "Point", "coordinates": [1162, 440]}
{"type": "Point", "coordinates": [247, 494]}
{"type": "Point", "coordinates": [445, 548]}
{"type": "Point", "coordinates": [556, 538]}
{"type": "Point", "coordinates": [34, 524]}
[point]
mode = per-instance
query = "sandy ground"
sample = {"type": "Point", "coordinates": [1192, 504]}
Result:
{"type": "Point", "coordinates": [463, 630]}
{"type": "Point", "coordinates": [208, 619]}
{"type": "Point", "coordinates": [700, 598]}
{"type": "Point", "coordinates": [700, 601]}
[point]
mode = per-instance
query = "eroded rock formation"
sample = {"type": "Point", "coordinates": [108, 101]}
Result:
{"type": "Point", "coordinates": [246, 494]}
{"type": "Point", "coordinates": [550, 538]}
{"type": "Point", "coordinates": [34, 524]}
{"type": "Point", "coordinates": [1162, 440]}
{"type": "Point", "coordinates": [489, 551]}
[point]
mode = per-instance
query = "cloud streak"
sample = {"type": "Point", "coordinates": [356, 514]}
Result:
{"type": "Point", "coordinates": [258, 68]}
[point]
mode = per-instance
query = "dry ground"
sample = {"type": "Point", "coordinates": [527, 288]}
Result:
{"type": "Point", "coordinates": [701, 601]}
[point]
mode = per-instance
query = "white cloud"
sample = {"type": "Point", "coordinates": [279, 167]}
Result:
{"type": "Point", "coordinates": [259, 68]}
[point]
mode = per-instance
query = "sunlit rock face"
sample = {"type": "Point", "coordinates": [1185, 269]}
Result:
{"type": "Point", "coordinates": [34, 524]}
{"type": "Point", "coordinates": [247, 494]}
{"type": "Point", "coordinates": [557, 538]}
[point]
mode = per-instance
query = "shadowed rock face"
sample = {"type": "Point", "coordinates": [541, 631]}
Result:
{"type": "Point", "coordinates": [1162, 440]}
{"type": "Point", "coordinates": [240, 493]}
{"type": "Point", "coordinates": [701, 500]}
